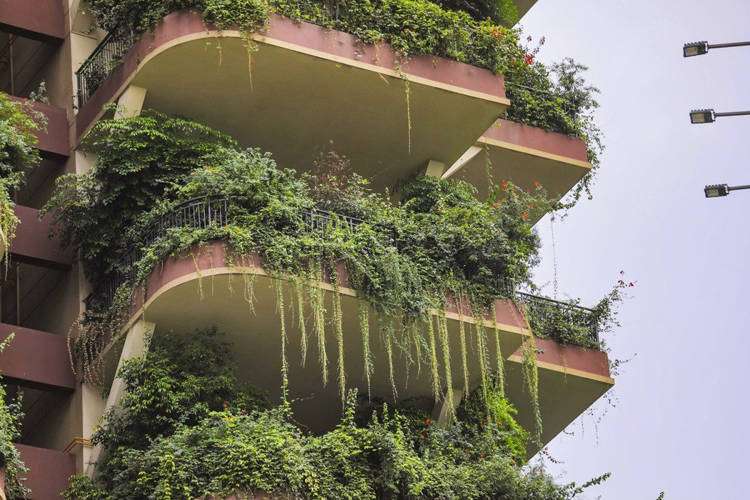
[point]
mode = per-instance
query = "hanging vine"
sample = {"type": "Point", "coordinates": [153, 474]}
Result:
{"type": "Point", "coordinates": [434, 366]}
{"type": "Point", "coordinates": [300, 296]}
{"type": "Point", "coordinates": [339, 330]}
{"type": "Point", "coordinates": [363, 312]}
{"type": "Point", "coordinates": [281, 311]}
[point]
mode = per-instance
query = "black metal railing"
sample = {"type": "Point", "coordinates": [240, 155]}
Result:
{"type": "Point", "coordinates": [198, 213]}
{"type": "Point", "coordinates": [550, 313]}
{"type": "Point", "coordinates": [100, 64]}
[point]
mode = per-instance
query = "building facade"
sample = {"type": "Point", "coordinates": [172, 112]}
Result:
{"type": "Point", "coordinates": [304, 86]}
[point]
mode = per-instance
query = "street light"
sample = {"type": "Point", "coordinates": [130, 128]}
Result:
{"type": "Point", "coordinates": [699, 48]}
{"type": "Point", "coordinates": [699, 116]}
{"type": "Point", "coordinates": [719, 190]}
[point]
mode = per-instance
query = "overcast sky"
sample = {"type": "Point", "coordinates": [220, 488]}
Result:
{"type": "Point", "coordinates": [681, 421]}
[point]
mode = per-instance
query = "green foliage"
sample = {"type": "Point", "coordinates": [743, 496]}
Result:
{"type": "Point", "coordinates": [137, 162]}
{"type": "Point", "coordinates": [502, 12]}
{"type": "Point", "coordinates": [181, 381]}
{"type": "Point", "coordinates": [558, 99]}
{"type": "Point", "coordinates": [18, 126]}
{"type": "Point", "coordinates": [246, 449]}
{"type": "Point", "coordinates": [11, 414]}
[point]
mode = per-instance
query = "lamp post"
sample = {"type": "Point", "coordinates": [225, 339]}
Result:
{"type": "Point", "coordinates": [699, 116]}
{"type": "Point", "coordinates": [700, 48]}
{"type": "Point", "coordinates": [719, 190]}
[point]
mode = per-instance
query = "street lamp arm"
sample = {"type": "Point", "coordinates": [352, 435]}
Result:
{"type": "Point", "coordinates": [726, 45]}
{"type": "Point", "coordinates": [732, 113]}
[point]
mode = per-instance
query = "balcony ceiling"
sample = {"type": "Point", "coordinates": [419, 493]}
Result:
{"type": "Point", "coordinates": [524, 6]}
{"type": "Point", "coordinates": [297, 106]}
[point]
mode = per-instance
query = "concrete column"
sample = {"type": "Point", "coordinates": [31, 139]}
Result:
{"type": "Point", "coordinates": [465, 158]}
{"type": "Point", "coordinates": [136, 345]}
{"type": "Point", "coordinates": [130, 102]}
{"type": "Point", "coordinates": [434, 169]}
{"type": "Point", "coordinates": [443, 412]}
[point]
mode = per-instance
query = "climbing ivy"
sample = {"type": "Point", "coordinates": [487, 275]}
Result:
{"type": "Point", "coordinates": [11, 414]}
{"type": "Point", "coordinates": [186, 429]}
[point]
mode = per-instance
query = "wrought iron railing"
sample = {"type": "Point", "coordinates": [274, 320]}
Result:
{"type": "Point", "coordinates": [100, 64]}
{"type": "Point", "coordinates": [550, 314]}
{"type": "Point", "coordinates": [199, 213]}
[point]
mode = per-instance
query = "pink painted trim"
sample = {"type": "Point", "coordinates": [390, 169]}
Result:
{"type": "Point", "coordinates": [335, 43]}
{"type": "Point", "coordinates": [44, 17]}
{"type": "Point", "coordinates": [214, 255]}
{"type": "Point", "coordinates": [33, 240]}
{"type": "Point", "coordinates": [54, 137]}
{"type": "Point", "coordinates": [36, 357]}
{"type": "Point", "coordinates": [49, 470]}
{"type": "Point", "coordinates": [573, 357]}
{"type": "Point", "coordinates": [537, 138]}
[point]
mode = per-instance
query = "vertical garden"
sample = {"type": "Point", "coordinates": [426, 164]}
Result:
{"type": "Point", "coordinates": [187, 425]}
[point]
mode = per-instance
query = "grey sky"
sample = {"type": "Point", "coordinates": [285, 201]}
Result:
{"type": "Point", "coordinates": [680, 424]}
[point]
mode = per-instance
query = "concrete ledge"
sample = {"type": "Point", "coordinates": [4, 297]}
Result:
{"type": "Point", "coordinates": [53, 139]}
{"type": "Point", "coordinates": [33, 243]}
{"type": "Point", "coordinates": [49, 471]}
{"type": "Point", "coordinates": [38, 19]}
{"type": "Point", "coordinates": [36, 359]}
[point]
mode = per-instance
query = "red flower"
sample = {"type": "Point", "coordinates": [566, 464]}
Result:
{"type": "Point", "coordinates": [537, 185]}
{"type": "Point", "coordinates": [525, 216]}
{"type": "Point", "coordinates": [528, 59]}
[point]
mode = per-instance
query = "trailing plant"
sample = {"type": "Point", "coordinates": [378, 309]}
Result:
{"type": "Point", "coordinates": [11, 414]}
{"type": "Point", "coordinates": [245, 449]}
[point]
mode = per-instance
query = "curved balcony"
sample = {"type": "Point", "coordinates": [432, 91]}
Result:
{"type": "Point", "coordinates": [208, 288]}
{"type": "Point", "coordinates": [304, 88]}
{"type": "Point", "coordinates": [525, 156]}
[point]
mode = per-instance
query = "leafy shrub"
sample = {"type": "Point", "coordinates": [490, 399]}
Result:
{"type": "Point", "coordinates": [247, 449]}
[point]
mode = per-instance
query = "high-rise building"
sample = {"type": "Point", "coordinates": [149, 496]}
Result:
{"type": "Point", "coordinates": [291, 89]}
